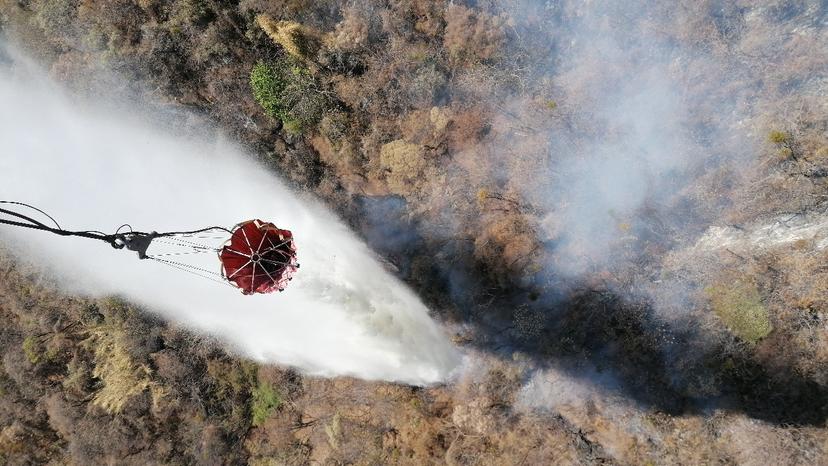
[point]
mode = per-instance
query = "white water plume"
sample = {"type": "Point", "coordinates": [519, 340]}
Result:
{"type": "Point", "coordinates": [96, 169]}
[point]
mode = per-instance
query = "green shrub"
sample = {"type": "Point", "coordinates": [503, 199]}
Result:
{"type": "Point", "coordinates": [740, 307]}
{"type": "Point", "coordinates": [265, 400]}
{"type": "Point", "coordinates": [39, 351]}
{"type": "Point", "coordinates": [286, 90]}
{"type": "Point", "coordinates": [32, 349]}
{"type": "Point", "coordinates": [232, 384]}
{"type": "Point", "coordinates": [778, 137]}
{"type": "Point", "coordinates": [293, 126]}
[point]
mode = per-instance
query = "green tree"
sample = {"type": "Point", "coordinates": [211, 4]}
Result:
{"type": "Point", "coordinates": [286, 90]}
{"type": "Point", "coordinates": [265, 400]}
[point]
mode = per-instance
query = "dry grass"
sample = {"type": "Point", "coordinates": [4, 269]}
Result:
{"type": "Point", "coordinates": [294, 38]}
{"type": "Point", "coordinates": [740, 307]}
{"type": "Point", "coordinates": [122, 377]}
{"type": "Point", "coordinates": [404, 162]}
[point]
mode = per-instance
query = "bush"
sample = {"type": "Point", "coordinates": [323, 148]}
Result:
{"type": "Point", "coordinates": [473, 35]}
{"type": "Point", "coordinates": [32, 350]}
{"type": "Point", "coordinates": [231, 385]}
{"type": "Point", "coordinates": [427, 85]}
{"type": "Point", "coordinates": [404, 163]}
{"type": "Point", "coordinates": [740, 308]}
{"type": "Point", "coordinates": [56, 18]}
{"type": "Point", "coordinates": [287, 91]}
{"type": "Point", "coordinates": [184, 14]}
{"type": "Point", "coordinates": [266, 400]}
{"type": "Point", "coordinates": [784, 142]}
{"type": "Point", "coordinates": [39, 351]}
{"type": "Point", "coordinates": [778, 137]}
{"type": "Point", "coordinates": [295, 39]}
{"type": "Point", "coordinates": [352, 32]}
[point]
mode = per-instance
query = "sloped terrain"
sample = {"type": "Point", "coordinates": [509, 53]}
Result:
{"type": "Point", "coordinates": [619, 210]}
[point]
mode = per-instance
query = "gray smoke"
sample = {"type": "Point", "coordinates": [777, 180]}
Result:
{"type": "Point", "coordinates": [636, 144]}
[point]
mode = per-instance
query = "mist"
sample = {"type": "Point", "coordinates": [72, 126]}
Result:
{"type": "Point", "coordinates": [96, 167]}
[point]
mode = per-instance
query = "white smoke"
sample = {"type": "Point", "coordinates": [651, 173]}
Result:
{"type": "Point", "coordinates": [624, 79]}
{"type": "Point", "coordinates": [96, 169]}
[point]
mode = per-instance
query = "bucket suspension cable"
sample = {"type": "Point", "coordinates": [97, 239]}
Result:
{"type": "Point", "coordinates": [256, 256]}
{"type": "Point", "coordinates": [137, 241]}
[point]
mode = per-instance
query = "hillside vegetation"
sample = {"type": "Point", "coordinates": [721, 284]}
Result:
{"type": "Point", "coordinates": [458, 139]}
